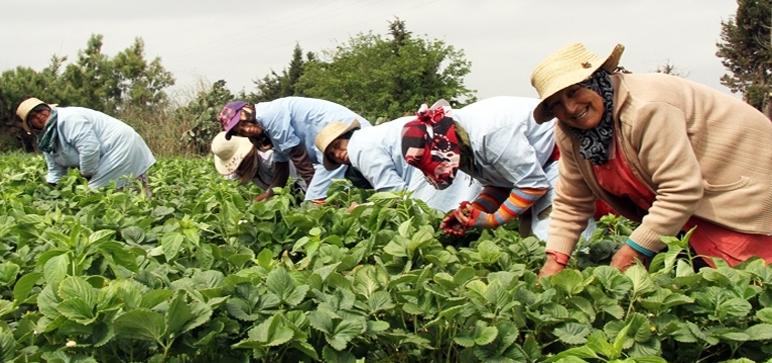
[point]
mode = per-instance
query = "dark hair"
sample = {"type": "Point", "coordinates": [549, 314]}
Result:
{"type": "Point", "coordinates": [249, 167]}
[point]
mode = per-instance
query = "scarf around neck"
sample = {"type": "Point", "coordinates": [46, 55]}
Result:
{"type": "Point", "coordinates": [595, 143]}
{"type": "Point", "coordinates": [48, 140]}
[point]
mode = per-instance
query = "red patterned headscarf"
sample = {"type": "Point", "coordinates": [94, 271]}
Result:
{"type": "Point", "coordinates": [430, 144]}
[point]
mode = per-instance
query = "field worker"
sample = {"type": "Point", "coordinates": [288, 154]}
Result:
{"type": "Point", "coordinates": [498, 143]}
{"type": "Point", "coordinates": [101, 147]}
{"type": "Point", "coordinates": [666, 152]}
{"type": "Point", "coordinates": [376, 153]}
{"type": "Point", "coordinates": [239, 159]}
{"type": "Point", "coordinates": [290, 125]}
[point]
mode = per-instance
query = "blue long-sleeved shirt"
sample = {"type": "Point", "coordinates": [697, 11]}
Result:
{"type": "Point", "coordinates": [100, 146]}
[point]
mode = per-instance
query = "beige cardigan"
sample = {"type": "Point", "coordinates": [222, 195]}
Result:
{"type": "Point", "coordinates": [702, 153]}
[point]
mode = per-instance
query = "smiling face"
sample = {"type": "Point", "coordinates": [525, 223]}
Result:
{"type": "Point", "coordinates": [577, 106]}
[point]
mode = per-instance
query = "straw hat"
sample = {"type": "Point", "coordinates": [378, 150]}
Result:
{"type": "Point", "coordinates": [25, 107]}
{"type": "Point", "coordinates": [328, 134]}
{"type": "Point", "coordinates": [569, 65]}
{"type": "Point", "coordinates": [228, 154]}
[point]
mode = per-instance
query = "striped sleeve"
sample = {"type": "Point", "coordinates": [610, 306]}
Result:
{"type": "Point", "coordinates": [519, 201]}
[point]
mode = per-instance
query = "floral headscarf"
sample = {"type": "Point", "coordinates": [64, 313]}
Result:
{"type": "Point", "coordinates": [430, 144]}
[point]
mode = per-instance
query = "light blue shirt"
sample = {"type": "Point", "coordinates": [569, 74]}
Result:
{"type": "Point", "coordinates": [377, 153]}
{"type": "Point", "coordinates": [99, 146]}
{"type": "Point", "coordinates": [509, 147]}
{"type": "Point", "coordinates": [290, 121]}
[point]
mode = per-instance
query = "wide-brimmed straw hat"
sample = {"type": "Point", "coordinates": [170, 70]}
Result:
{"type": "Point", "coordinates": [328, 134]}
{"type": "Point", "coordinates": [567, 66]}
{"type": "Point", "coordinates": [25, 107]}
{"type": "Point", "coordinates": [228, 154]}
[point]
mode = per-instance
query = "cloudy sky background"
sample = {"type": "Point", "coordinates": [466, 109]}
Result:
{"type": "Point", "coordinates": [241, 41]}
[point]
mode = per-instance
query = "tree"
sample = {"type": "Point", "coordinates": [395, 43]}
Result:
{"type": "Point", "coordinates": [385, 78]}
{"type": "Point", "coordinates": [274, 85]}
{"type": "Point", "coordinates": [746, 49]}
{"type": "Point", "coordinates": [140, 83]}
{"type": "Point", "coordinates": [202, 112]}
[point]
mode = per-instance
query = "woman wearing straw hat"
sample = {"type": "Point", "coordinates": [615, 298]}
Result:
{"type": "Point", "coordinates": [290, 125]}
{"type": "Point", "coordinates": [496, 142]}
{"type": "Point", "coordinates": [376, 153]}
{"type": "Point", "coordinates": [103, 148]}
{"type": "Point", "coordinates": [666, 152]}
{"type": "Point", "coordinates": [239, 159]}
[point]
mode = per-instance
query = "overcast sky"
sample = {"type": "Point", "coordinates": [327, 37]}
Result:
{"type": "Point", "coordinates": [241, 41]}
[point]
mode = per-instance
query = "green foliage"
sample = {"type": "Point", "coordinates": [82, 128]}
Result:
{"type": "Point", "coordinates": [746, 49]}
{"type": "Point", "coordinates": [199, 272]}
{"type": "Point", "coordinates": [201, 113]}
{"type": "Point", "coordinates": [385, 78]}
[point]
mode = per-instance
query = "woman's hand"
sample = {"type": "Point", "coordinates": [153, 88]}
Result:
{"type": "Point", "coordinates": [264, 195]}
{"type": "Point", "coordinates": [451, 226]}
{"type": "Point", "coordinates": [551, 266]}
{"type": "Point", "coordinates": [626, 257]}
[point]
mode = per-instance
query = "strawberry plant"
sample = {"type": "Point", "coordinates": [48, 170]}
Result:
{"type": "Point", "coordinates": [200, 273]}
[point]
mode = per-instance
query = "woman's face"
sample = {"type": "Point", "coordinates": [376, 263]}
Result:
{"type": "Point", "coordinates": [576, 106]}
{"type": "Point", "coordinates": [37, 120]}
{"type": "Point", "coordinates": [337, 151]}
{"type": "Point", "coordinates": [247, 128]}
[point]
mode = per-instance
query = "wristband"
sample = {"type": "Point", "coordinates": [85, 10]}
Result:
{"type": "Point", "coordinates": [560, 258]}
{"type": "Point", "coordinates": [640, 249]}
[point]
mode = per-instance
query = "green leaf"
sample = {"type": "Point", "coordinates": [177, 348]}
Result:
{"type": "Point", "coordinates": [641, 280]}
{"type": "Point", "coordinates": [8, 272]}
{"type": "Point", "coordinates": [344, 331]}
{"type": "Point", "coordinates": [183, 316]}
{"type": "Point", "coordinates": [334, 356]}
{"type": "Point", "coordinates": [568, 280]}
{"type": "Point", "coordinates": [265, 258]}
{"type": "Point", "coordinates": [272, 332]}
{"type": "Point", "coordinates": [761, 331]}
{"type": "Point", "coordinates": [765, 315]}
{"type": "Point", "coordinates": [171, 243]}
{"type": "Point", "coordinates": [56, 268]}
{"type": "Point", "coordinates": [598, 343]}
{"type": "Point", "coordinates": [572, 333]}
{"type": "Point", "coordinates": [77, 310]}
{"type": "Point", "coordinates": [380, 301]}
{"type": "Point", "coordinates": [24, 286]}
{"type": "Point", "coordinates": [7, 345]}
{"type": "Point", "coordinates": [321, 320]}
{"type": "Point", "coordinates": [486, 335]}
{"type": "Point", "coordinates": [77, 287]}
{"type": "Point", "coordinates": [143, 324]}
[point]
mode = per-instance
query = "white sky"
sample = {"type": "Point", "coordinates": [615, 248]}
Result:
{"type": "Point", "coordinates": [241, 41]}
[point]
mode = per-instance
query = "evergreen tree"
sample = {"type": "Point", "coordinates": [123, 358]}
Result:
{"type": "Point", "coordinates": [746, 49]}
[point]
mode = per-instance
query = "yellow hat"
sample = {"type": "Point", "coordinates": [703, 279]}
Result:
{"type": "Point", "coordinates": [228, 154]}
{"type": "Point", "coordinates": [568, 66]}
{"type": "Point", "coordinates": [24, 109]}
{"type": "Point", "coordinates": [328, 134]}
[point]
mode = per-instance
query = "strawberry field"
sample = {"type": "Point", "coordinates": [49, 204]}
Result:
{"type": "Point", "coordinates": [200, 273]}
